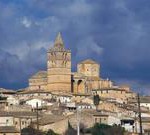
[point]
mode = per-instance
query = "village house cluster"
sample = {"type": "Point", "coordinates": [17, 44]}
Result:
{"type": "Point", "coordinates": [58, 94]}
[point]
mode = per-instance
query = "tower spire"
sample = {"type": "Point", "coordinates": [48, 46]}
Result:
{"type": "Point", "coordinates": [59, 41]}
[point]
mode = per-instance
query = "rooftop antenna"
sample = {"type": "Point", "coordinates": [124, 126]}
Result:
{"type": "Point", "coordinates": [78, 121]}
{"type": "Point", "coordinates": [37, 115]}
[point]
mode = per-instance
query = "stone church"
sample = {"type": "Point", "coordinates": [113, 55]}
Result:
{"type": "Point", "coordinates": [59, 78]}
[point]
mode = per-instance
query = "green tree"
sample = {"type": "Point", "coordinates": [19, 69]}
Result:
{"type": "Point", "coordinates": [96, 100]}
{"type": "Point", "coordinates": [99, 129]}
{"type": "Point", "coordinates": [70, 130]}
{"type": "Point", "coordinates": [102, 129]}
{"type": "Point", "coordinates": [51, 132]}
{"type": "Point", "coordinates": [31, 131]}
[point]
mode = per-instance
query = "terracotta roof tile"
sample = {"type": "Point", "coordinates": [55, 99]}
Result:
{"type": "Point", "coordinates": [88, 61]}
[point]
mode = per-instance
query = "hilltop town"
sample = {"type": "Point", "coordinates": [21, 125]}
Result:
{"type": "Point", "coordinates": [58, 97]}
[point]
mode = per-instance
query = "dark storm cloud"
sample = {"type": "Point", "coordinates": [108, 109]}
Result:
{"type": "Point", "coordinates": [114, 33]}
{"type": "Point", "coordinates": [15, 71]}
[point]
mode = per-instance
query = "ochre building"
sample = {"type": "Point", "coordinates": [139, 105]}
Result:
{"type": "Point", "coordinates": [59, 78]}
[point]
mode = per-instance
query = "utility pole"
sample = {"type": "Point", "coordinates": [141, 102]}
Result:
{"type": "Point", "coordinates": [90, 85]}
{"type": "Point", "coordinates": [20, 124]}
{"type": "Point", "coordinates": [135, 121]}
{"type": "Point", "coordinates": [78, 122]}
{"type": "Point", "coordinates": [139, 111]}
{"type": "Point", "coordinates": [37, 115]}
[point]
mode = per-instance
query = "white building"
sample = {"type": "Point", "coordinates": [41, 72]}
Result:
{"type": "Point", "coordinates": [11, 100]}
{"type": "Point", "coordinates": [85, 106]}
{"type": "Point", "coordinates": [33, 94]}
{"type": "Point", "coordinates": [62, 98]}
{"type": "Point", "coordinates": [6, 120]}
{"type": "Point", "coordinates": [128, 124]}
{"type": "Point", "coordinates": [33, 102]}
{"type": "Point", "coordinates": [106, 119]}
{"type": "Point", "coordinates": [145, 101]}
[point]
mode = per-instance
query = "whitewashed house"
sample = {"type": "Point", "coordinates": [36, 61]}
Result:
{"type": "Point", "coordinates": [11, 100]}
{"type": "Point", "coordinates": [6, 120]}
{"type": "Point", "coordinates": [62, 98]}
{"type": "Point", "coordinates": [33, 102]}
{"type": "Point", "coordinates": [145, 101]}
{"type": "Point", "coordinates": [84, 106]}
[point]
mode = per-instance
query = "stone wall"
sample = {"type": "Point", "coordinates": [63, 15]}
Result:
{"type": "Point", "coordinates": [59, 67]}
{"type": "Point", "coordinates": [86, 120]}
{"type": "Point", "coordinates": [6, 121]}
{"type": "Point", "coordinates": [38, 83]}
{"type": "Point", "coordinates": [119, 95]}
{"type": "Point", "coordinates": [21, 123]}
{"type": "Point", "coordinates": [88, 69]}
{"type": "Point", "coordinates": [10, 134]}
{"type": "Point", "coordinates": [59, 127]}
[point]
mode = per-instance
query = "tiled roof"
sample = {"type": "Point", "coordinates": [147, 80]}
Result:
{"type": "Point", "coordinates": [49, 119]}
{"type": "Point", "coordinates": [34, 91]}
{"type": "Point", "coordinates": [17, 114]}
{"type": "Point", "coordinates": [88, 61]}
{"type": "Point", "coordinates": [2, 90]}
{"type": "Point", "coordinates": [146, 119]}
{"type": "Point", "coordinates": [40, 74]}
{"type": "Point", "coordinates": [145, 99]}
{"type": "Point", "coordinates": [8, 129]}
{"type": "Point", "coordinates": [109, 89]}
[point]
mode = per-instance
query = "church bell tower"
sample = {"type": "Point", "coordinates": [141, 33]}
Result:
{"type": "Point", "coordinates": [59, 67]}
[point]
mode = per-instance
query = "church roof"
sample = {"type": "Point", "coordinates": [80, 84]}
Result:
{"type": "Point", "coordinates": [40, 74]}
{"type": "Point", "coordinates": [88, 61]}
{"type": "Point", "coordinates": [59, 41]}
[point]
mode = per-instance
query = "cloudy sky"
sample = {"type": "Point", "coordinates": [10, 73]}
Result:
{"type": "Point", "coordinates": [115, 33]}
